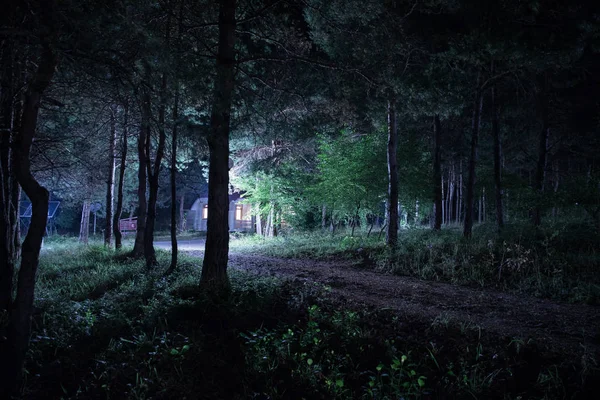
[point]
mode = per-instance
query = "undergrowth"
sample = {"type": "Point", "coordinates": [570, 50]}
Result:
{"type": "Point", "coordinates": [558, 261]}
{"type": "Point", "coordinates": [106, 328]}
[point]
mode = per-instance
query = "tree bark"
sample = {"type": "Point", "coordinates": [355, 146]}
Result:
{"type": "Point", "coordinates": [154, 170]}
{"type": "Point", "coordinates": [15, 348]}
{"type": "Point", "coordinates": [84, 226]}
{"type": "Point", "coordinates": [153, 175]}
{"type": "Point", "coordinates": [540, 171]}
{"type": "Point", "coordinates": [270, 223]}
{"type": "Point", "coordinates": [497, 162]}
{"type": "Point", "coordinates": [437, 174]}
{"type": "Point", "coordinates": [392, 203]}
{"type": "Point", "coordinates": [143, 138]}
{"type": "Point", "coordinates": [480, 211]}
{"type": "Point", "coordinates": [259, 230]}
{"type": "Point", "coordinates": [214, 267]}
{"type": "Point", "coordinates": [182, 222]}
{"type": "Point", "coordinates": [174, 250]}
{"type": "Point", "coordinates": [452, 194]}
{"type": "Point", "coordinates": [469, 200]}
{"type": "Point", "coordinates": [110, 184]}
{"type": "Point", "coordinates": [459, 195]}
{"type": "Point", "coordinates": [122, 167]}
{"type": "Point", "coordinates": [7, 257]}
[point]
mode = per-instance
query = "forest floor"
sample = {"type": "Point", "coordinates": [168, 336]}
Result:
{"type": "Point", "coordinates": [562, 327]}
{"type": "Point", "coordinates": [295, 326]}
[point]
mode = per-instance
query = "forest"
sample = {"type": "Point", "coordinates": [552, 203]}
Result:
{"type": "Point", "coordinates": [299, 199]}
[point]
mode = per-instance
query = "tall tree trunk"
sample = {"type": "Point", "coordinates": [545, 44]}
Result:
{"type": "Point", "coordinates": [452, 194]}
{"type": "Point", "coordinates": [174, 250]}
{"type": "Point", "coordinates": [259, 230]}
{"type": "Point", "coordinates": [110, 184]}
{"type": "Point", "coordinates": [540, 171]}
{"type": "Point", "coordinates": [392, 203]}
{"type": "Point", "coordinates": [437, 173]}
{"type": "Point", "coordinates": [153, 175]}
{"type": "Point", "coordinates": [154, 170]}
{"type": "Point", "coordinates": [469, 200]}
{"type": "Point", "coordinates": [15, 223]}
{"type": "Point", "coordinates": [459, 195]}
{"type": "Point", "coordinates": [555, 209]}
{"type": "Point", "coordinates": [323, 217]}
{"type": "Point", "coordinates": [182, 222]}
{"type": "Point", "coordinates": [483, 204]}
{"type": "Point", "coordinates": [270, 228]}
{"type": "Point", "coordinates": [123, 166]}
{"type": "Point", "coordinates": [444, 202]}
{"type": "Point", "coordinates": [497, 162]}
{"type": "Point", "coordinates": [214, 267]}
{"type": "Point", "coordinates": [480, 211]}
{"type": "Point", "coordinates": [143, 138]}
{"type": "Point", "coordinates": [84, 226]}
{"type": "Point", "coordinates": [14, 350]}
{"type": "Point", "coordinates": [7, 257]}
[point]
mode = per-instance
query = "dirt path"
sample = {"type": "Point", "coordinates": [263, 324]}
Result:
{"type": "Point", "coordinates": [559, 326]}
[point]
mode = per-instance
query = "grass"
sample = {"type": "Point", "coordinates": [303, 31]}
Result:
{"type": "Point", "coordinates": [106, 328]}
{"type": "Point", "coordinates": [558, 261]}
{"type": "Point", "coordinates": [314, 245]}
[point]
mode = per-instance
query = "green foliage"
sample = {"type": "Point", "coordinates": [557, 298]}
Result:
{"type": "Point", "coordinates": [283, 190]}
{"type": "Point", "coordinates": [329, 356]}
{"type": "Point", "coordinates": [308, 244]}
{"type": "Point", "coordinates": [352, 176]}
{"type": "Point", "coordinates": [557, 262]}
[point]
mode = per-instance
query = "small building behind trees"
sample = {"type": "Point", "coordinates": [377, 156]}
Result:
{"type": "Point", "coordinates": [240, 216]}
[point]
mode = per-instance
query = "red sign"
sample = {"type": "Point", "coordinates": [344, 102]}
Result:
{"type": "Point", "coordinates": [128, 225]}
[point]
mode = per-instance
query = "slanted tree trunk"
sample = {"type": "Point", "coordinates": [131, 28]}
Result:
{"type": "Point", "coordinates": [110, 184]}
{"type": "Point", "coordinates": [143, 138]}
{"type": "Point", "coordinates": [14, 350]}
{"type": "Point", "coordinates": [469, 200]}
{"type": "Point", "coordinates": [540, 170]}
{"type": "Point", "coordinates": [437, 174]}
{"type": "Point", "coordinates": [392, 203]}
{"type": "Point", "coordinates": [497, 162]}
{"type": "Point", "coordinates": [123, 166]}
{"type": "Point", "coordinates": [214, 267]}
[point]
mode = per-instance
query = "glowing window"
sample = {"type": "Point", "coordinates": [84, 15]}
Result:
{"type": "Point", "coordinates": [238, 212]}
{"type": "Point", "coordinates": [205, 211]}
